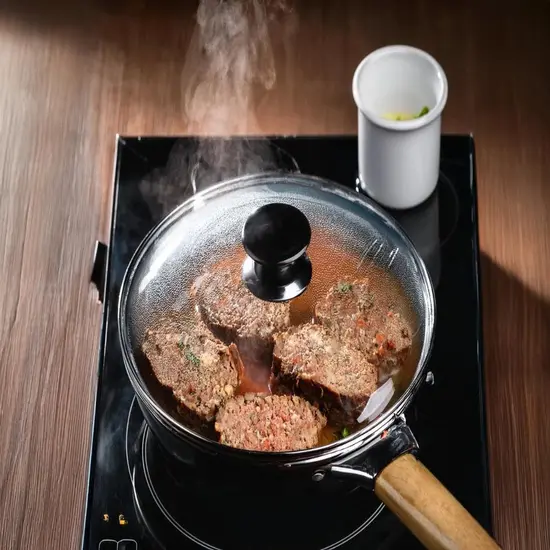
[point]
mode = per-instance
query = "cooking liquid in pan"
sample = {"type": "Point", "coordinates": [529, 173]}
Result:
{"type": "Point", "coordinates": [331, 264]}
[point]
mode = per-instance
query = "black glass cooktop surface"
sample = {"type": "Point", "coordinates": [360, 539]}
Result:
{"type": "Point", "coordinates": [141, 498]}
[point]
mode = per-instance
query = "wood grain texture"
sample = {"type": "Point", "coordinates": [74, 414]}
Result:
{"type": "Point", "coordinates": [72, 74]}
{"type": "Point", "coordinates": [423, 504]}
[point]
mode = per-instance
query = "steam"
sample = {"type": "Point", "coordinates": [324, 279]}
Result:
{"type": "Point", "coordinates": [229, 58]}
{"type": "Point", "coordinates": [229, 62]}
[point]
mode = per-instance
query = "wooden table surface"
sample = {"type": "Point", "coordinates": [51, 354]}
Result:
{"type": "Point", "coordinates": [74, 73]}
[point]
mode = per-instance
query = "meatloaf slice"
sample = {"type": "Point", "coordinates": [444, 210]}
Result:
{"type": "Point", "coordinates": [310, 360]}
{"type": "Point", "coordinates": [269, 423]}
{"type": "Point", "coordinates": [234, 314]}
{"type": "Point", "coordinates": [352, 312]}
{"type": "Point", "coordinates": [199, 369]}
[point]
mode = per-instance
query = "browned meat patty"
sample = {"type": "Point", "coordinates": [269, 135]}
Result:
{"type": "Point", "coordinates": [269, 423]}
{"type": "Point", "coordinates": [234, 314]}
{"type": "Point", "coordinates": [199, 369]}
{"type": "Point", "coordinates": [311, 361]}
{"type": "Point", "coordinates": [354, 314]}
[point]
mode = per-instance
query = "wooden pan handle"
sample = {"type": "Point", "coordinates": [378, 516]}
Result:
{"type": "Point", "coordinates": [433, 515]}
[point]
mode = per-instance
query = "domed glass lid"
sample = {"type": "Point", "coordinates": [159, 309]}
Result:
{"type": "Point", "coordinates": [263, 255]}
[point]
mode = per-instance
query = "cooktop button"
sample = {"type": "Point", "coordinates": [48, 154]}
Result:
{"type": "Point", "coordinates": [127, 544]}
{"type": "Point", "coordinates": [108, 544]}
{"type": "Point", "coordinates": [430, 378]}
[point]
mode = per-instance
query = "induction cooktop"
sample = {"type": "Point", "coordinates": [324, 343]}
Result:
{"type": "Point", "coordinates": [139, 497]}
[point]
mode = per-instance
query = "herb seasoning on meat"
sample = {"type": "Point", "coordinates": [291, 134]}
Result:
{"type": "Point", "coordinates": [367, 322]}
{"type": "Point", "coordinates": [199, 391]}
{"type": "Point", "coordinates": [321, 356]}
{"type": "Point", "coordinates": [269, 423]}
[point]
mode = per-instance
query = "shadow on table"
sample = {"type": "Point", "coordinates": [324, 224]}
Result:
{"type": "Point", "coordinates": [105, 21]}
{"type": "Point", "coordinates": [63, 11]}
{"type": "Point", "coordinates": [517, 379]}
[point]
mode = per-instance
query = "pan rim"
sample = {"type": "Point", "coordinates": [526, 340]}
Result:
{"type": "Point", "coordinates": [335, 449]}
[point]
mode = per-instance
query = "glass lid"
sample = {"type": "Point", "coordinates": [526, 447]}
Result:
{"type": "Point", "coordinates": [276, 312]}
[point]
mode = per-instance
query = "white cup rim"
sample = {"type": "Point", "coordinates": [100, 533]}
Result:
{"type": "Point", "coordinates": [401, 125]}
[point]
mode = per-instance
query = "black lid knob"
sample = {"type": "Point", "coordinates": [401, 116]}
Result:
{"type": "Point", "coordinates": [276, 234]}
{"type": "Point", "coordinates": [275, 238]}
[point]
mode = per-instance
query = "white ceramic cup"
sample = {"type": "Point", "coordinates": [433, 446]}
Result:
{"type": "Point", "coordinates": [399, 159]}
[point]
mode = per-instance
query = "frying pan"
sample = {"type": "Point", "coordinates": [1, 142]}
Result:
{"type": "Point", "coordinates": [208, 229]}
